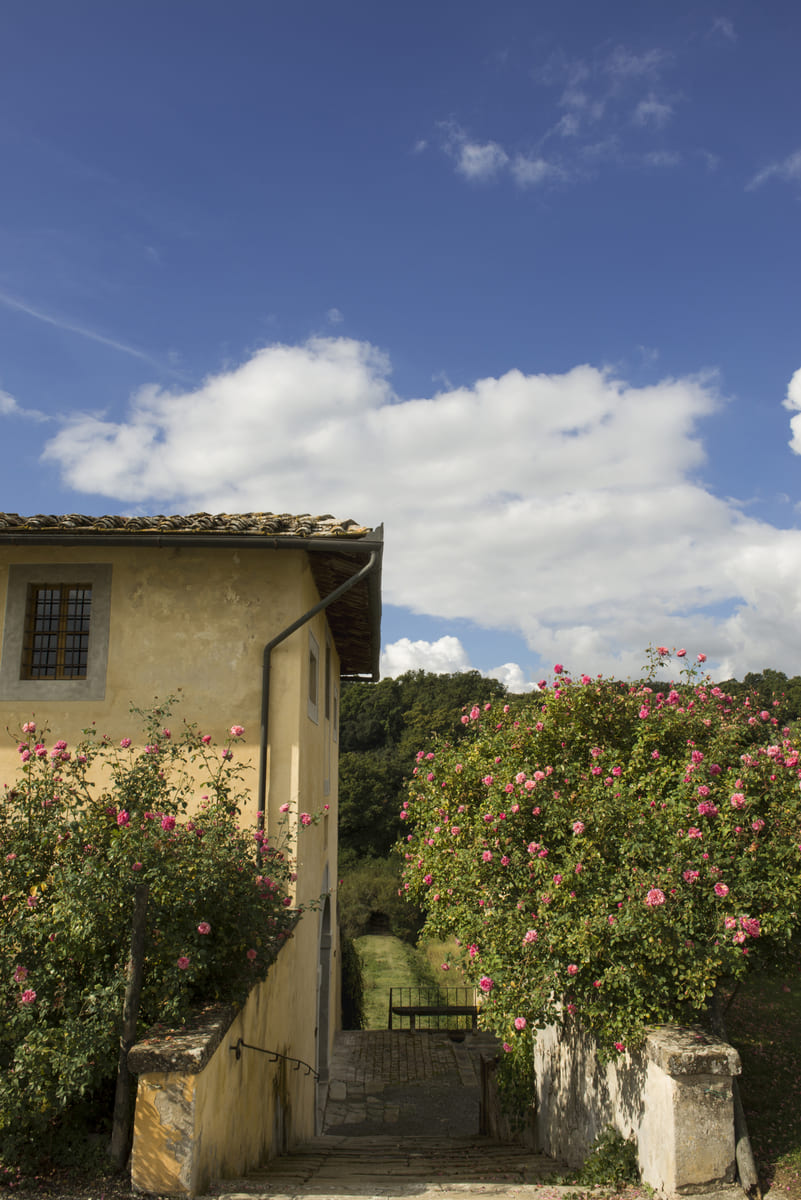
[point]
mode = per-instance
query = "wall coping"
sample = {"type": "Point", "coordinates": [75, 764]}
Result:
{"type": "Point", "coordinates": [185, 1049]}
{"type": "Point", "coordinates": [690, 1050]}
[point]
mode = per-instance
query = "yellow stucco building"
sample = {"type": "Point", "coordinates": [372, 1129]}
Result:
{"type": "Point", "coordinates": [251, 620]}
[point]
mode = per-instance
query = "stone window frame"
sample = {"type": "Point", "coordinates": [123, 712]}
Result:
{"type": "Point", "coordinates": [20, 577]}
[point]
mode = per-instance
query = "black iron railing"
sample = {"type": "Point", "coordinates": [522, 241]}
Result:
{"type": "Point", "coordinates": [430, 1008]}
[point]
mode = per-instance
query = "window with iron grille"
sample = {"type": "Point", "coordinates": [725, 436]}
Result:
{"type": "Point", "coordinates": [48, 652]}
{"type": "Point", "coordinates": [56, 641]}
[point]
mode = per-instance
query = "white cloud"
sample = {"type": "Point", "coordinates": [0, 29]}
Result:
{"type": "Point", "coordinates": [529, 172]}
{"type": "Point", "coordinates": [792, 401]}
{"type": "Point", "coordinates": [595, 109]}
{"type": "Point", "coordinates": [483, 161]}
{"type": "Point", "coordinates": [446, 656]}
{"type": "Point", "coordinates": [10, 408]}
{"type": "Point", "coordinates": [475, 160]}
{"type": "Point", "coordinates": [512, 677]}
{"type": "Point", "coordinates": [723, 27]}
{"type": "Point", "coordinates": [787, 169]}
{"type": "Point", "coordinates": [623, 63]}
{"type": "Point", "coordinates": [653, 112]}
{"type": "Point", "coordinates": [564, 507]}
{"type": "Point", "coordinates": [334, 316]}
{"type": "Point", "coordinates": [662, 158]}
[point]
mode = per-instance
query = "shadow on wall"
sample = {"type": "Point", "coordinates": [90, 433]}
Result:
{"type": "Point", "coordinates": [673, 1096]}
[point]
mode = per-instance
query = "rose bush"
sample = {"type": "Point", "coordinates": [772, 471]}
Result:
{"type": "Point", "coordinates": [71, 854]}
{"type": "Point", "coordinates": [608, 852]}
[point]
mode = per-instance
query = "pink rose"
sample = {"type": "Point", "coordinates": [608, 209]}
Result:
{"type": "Point", "coordinates": [702, 658]}
{"type": "Point", "coordinates": [237, 730]}
{"type": "Point", "coordinates": [204, 927]}
{"type": "Point", "coordinates": [168, 823]}
{"type": "Point", "coordinates": [655, 897]}
{"type": "Point", "coordinates": [578, 828]}
{"type": "Point", "coordinates": [721, 890]}
{"type": "Point", "coordinates": [680, 653]}
{"type": "Point", "coordinates": [251, 954]}
{"type": "Point", "coordinates": [520, 1023]}
{"type": "Point", "coordinates": [486, 984]}
{"type": "Point", "coordinates": [572, 969]}
{"type": "Point", "coordinates": [125, 743]}
{"type": "Point", "coordinates": [206, 739]}
{"type": "Point", "coordinates": [558, 668]}
{"type": "Point", "coordinates": [28, 996]}
{"type": "Point", "coordinates": [29, 727]}
{"type": "Point", "coordinates": [183, 963]}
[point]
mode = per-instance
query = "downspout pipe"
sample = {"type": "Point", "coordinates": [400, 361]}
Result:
{"type": "Point", "coordinates": [369, 566]}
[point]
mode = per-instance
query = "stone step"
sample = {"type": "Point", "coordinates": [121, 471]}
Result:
{"type": "Point", "coordinates": [344, 1167]}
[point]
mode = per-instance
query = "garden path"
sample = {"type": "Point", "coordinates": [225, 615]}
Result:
{"type": "Point", "coordinates": [402, 1121]}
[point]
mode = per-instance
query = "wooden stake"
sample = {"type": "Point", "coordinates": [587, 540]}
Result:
{"type": "Point", "coordinates": [121, 1132]}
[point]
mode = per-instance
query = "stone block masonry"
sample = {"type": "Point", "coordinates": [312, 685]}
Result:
{"type": "Point", "coordinates": [674, 1096]}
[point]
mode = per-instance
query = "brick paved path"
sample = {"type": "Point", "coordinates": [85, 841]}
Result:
{"type": "Point", "coordinates": [384, 1081]}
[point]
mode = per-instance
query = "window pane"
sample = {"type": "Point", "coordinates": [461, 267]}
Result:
{"type": "Point", "coordinates": [57, 632]}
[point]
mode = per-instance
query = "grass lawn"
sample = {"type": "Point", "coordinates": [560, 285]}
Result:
{"type": "Point", "coordinates": [388, 962]}
{"type": "Point", "coordinates": [448, 952]}
{"type": "Point", "coordinates": [764, 1023]}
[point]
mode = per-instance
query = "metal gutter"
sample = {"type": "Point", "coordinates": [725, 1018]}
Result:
{"type": "Point", "coordinates": [254, 541]}
{"type": "Point", "coordinates": [369, 566]}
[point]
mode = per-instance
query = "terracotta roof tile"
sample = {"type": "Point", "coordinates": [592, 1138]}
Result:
{"type": "Point", "coordinates": [261, 523]}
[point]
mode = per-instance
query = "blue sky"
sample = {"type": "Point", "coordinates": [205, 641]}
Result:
{"type": "Point", "coordinates": [518, 280]}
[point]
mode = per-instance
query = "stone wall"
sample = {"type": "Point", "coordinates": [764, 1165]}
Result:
{"type": "Point", "coordinates": [674, 1096]}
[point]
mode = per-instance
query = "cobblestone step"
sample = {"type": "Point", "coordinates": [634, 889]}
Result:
{"type": "Point", "coordinates": [386, 1167]}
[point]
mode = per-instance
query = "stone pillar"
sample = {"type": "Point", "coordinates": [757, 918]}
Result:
{"type": "Point", "coordinates": [673, 1095]}
{"type": "Point", "coordinates": [686, 1138]}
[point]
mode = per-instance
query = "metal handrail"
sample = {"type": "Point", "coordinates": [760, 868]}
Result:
{"type": "Point", "coordinates": [275, 1055]}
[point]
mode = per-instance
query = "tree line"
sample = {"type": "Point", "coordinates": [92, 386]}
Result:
{"type": "Point", "coordinates": [383, 725]}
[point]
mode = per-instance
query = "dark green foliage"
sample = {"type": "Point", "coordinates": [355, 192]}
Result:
{"type": "Point", "coordinates": [371, 887]}
{"type": "Point", "coordinates": [612, 1159]}
{"type": "Point", "coordinates": [370, 783]}
{"type": "Point", "coordinates": [767, 686]}
{"type": "Point", "coordinates": [382, 726]}
{"type": "Point", "coordinates": [352, 985]}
